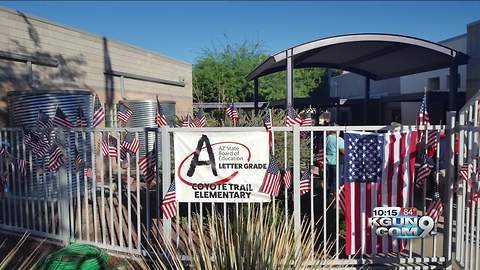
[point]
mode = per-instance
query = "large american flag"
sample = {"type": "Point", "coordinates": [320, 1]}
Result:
{"type": "Point", "coordinates": [160, 118]}
{"type": "Point", "coordinates": [61, 120]}
{"type": "Point", "coordinates": [200, 120]}
{"type": "Point", "coordinates": [43, 121]}
{"type": "Point", "coordinates": [305, 182]}
{"type": "Point", "coordinates": [292, 118]}
{"type": "Point", "coordinates": [169, 206]}
{"type": "Point", "coordinates": [124, 113]}
{"type": "Point", "coordinates": [378, 171]}
{"type": "Point", "coordinates": [271, 180]}
{"type": "Point", "coordinates": [232, 113]}
{"type": "Point", "coordinates": [55, 159]}
{"type": "Point", "coordinates": [98, 113]}
{"type": "Point", "coordinates": [131, 143]}
{"type": "Point", "coordinates": [81, 120]}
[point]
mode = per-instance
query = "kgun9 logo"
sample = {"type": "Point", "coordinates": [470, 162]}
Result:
{"type": "Point", "coordinates": [401, 223]}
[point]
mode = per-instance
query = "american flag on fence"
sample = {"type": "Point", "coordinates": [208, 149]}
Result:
{"type": "Point", "coordinates": [78, 159]}
{"type": "Point", "coordinates": [55, 159]}
{"type": "Point", "coordinates": [22, 167]}
{"type": "Point", "coordinates": [88, 172]}
{"type": "Point", "coordinates": [61, 120]}
{"type": "Point", "coordinates": [307, 120]}
{"type": "Point", "coordinates": [271, 180]}
{"type": "Point", "coordinates": [435, 209]}
{"type": "Point", "coordinates": [124, 113]}
{"type": "Point", "coordinates": [465, 172]}
{"type": "Point", "coordinates": [341, 199]}
{"type": "Point", "coordinates": [305, 182]}
{"type": "Point", "coordinates": [292, 118]}
{"type": "Point", "coordinates": [378, 171]}
{"type": "Point", "coordinates": [109, 146]}
{"type": "Point", "coordinates": [432, 142]}
{"type": "Point", "coordinates": [200, 120]}
{"type": "Point", "coordinates": [98, 113]}
{"type": "Point", "coordinates": [287, 178]}
{"type": "Point", "coordinates": [38, 143]}
{"type": "Point", "coordinates": [131, 143]}
{"type": "Point", "coordinates": [232, 113]}
{"type": "Point", "coordinates": [267, 123]}
{"type": "Point", "coordinates": [160, 118]}
{"type": "Point", "coordinates": [188, 122]}
{"type": "Point", "coordinates": [169, 206]}
{"type": "Point", "coordinates": [81, 120]}
{"type": "Point", "coordinates": [423, 118]}
{"type": "Point", "coordinates": [424, 172]}
{"type": "Point", "coordinates": [147, 166]}
{"type": "Point", "coordinates": [124, 160]}
{"type": "Point", "coordinates": [43, 121]}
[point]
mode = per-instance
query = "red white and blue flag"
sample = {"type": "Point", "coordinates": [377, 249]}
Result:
{"type": "Point", "coordinates": [98, 112]}
{"type": "Point", "coordinates": [271, 180]}
{"type": "Point", "coordinates": [124, 113]}
{"type": "Point", "coordinates": [378, 172]}
{"type": "Point", "coordinates": [22, 167]}
{"type": "Point", "coordinates": [169, 206]}
{"type": "Point", "coordinates": [200, 120]}
{"type": "Point", "coordinates": [232, 113]}
{"type": "Point", "coordinates": [305, 182]}
{"type": "Point", "coordinates": [160, 118]}
{"type": "Point", "coordinates": [81, 120]}
{"type": "Point", "coordinates": [423, 118]}
{"type": "Point", "coordinates": [187, 122]}
{"type": "Point", "coordinates": [109, 146]}
{"type": "Point", "coordinates": [147, 165]}
{"type": "Point", "coordinates": [43, 121]}
{"type": "Point", "coordinates": [61, 120]}
{"type": "Point", "coordinates": [293, 119]}
{"type": "Point", "coordinates": [267, 123]}
{"type": "Point", "coordinates": [307, 120]}
{"type": "Point", "coordinates": [55, 159]}
{"type": "Point", "coordinates": [131, 143]}
{"type": "Point", "coordinates": [287, 178]}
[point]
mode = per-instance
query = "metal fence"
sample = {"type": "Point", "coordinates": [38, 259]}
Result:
{"type": "Point", "coordinates": [117, 210]}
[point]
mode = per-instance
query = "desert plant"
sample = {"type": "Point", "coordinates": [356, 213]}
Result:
{"type": "Point", "coordinates": [255, 239]}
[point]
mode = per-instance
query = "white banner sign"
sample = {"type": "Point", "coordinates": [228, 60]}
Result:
{"type": "Point", "coordinates": [220, 166]}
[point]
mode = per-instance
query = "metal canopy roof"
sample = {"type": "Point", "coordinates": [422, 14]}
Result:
{"type": "Point", "coordinates": [377, 56]}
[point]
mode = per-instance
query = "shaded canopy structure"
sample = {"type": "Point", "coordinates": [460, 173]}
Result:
{"type": "Point", "coordinates": [375, 56]}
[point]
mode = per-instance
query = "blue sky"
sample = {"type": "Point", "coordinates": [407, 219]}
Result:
{"type": "Point", "coordinates": [182, 29]}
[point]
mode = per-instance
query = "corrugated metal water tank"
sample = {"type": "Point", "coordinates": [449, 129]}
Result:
{"type": "Point", "coordinates": [144, 113]}
{"type": "Point", "coordinates": [23, 109]}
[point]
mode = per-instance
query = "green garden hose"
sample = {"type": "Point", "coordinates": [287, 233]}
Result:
{"type": "Point", "coordinates": [76, 257]}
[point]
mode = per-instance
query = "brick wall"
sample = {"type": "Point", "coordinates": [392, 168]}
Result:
{"type": "Point", "coordinates": [83, 58]}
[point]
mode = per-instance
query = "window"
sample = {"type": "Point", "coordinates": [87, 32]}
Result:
{"type": "Point", "coordinates": [458, 81]}
{"type": "Point", "coordinates": [433, 83]}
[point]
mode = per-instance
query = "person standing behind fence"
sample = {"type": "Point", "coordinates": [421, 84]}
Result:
{"type": "Point", "coordinates": [331, 159]}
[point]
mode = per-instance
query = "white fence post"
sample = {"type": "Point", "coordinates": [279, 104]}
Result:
{"type": "Point", "coordinates": [62, 194]}
{"type": "Point", "coordinates": [296, 186]}
{"type": "Point", "coordinates": [166, 178]}
{"type": "Point", "coordinates": [450, 180]}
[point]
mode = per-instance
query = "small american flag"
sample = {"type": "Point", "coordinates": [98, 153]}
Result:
{"type": "Point", "coordinates": [160, 118]}
{"type": "Point", "coordinates": [188, 122]}
{"type": "Point", "coordinates": [423, 118]}
{"type": "Point", "coordinates": [267, 123]}
{"type": "Point", "coordinates": [98, 113]}
{"type": "Point", "coordinates": [341, 199]}
{"type": "Point", "coordinates": [293, 119]}
{"type": "Point", "coordinates": [109, 147]}
{"type": "Point", "coordinates": [124, 160]}
{"type": "Point", "coordinates": [320, 157]}
{"type": "Point", "coordinates": [435, 209]}
{"type": "Point", "coordinates": [131, 143]}
{"type": "Point", "coordinates": [147, 166]}
{"type": "Point", "coordinates": [424, 172]}
{"type": "Point", "coordinates": [43, 121]}
{"type": "Point", "coordinates": [432, 142]}
{"type": "Point", "coordinates": [38, 143]}
{"type": "Point", "coordinates": [287, 178]}
{"type": "Point", "coordinates": [465, 172]}
{"type": "Point", "coordinates": [232, 113]}
{"type": "Point", "coordinates": [61, 120]}
{"type": "Point", "coordinates": [78, 159]}
{"type": "Point", "coordinates": [271, 180]}
{"type": "Point", "coordinates": [169, 206]}
{"type": "Point", "coordinates": [307, 120]}
{"type": "Point", "coordinates": [200, 120]}
{"type": "Point", "coordinates": [55, 159]}
{"type": "Point", "coordinates": [88, 172]}
{"type": "Point", "coordinates": [124, 113]}
{"type": "Point", "coordinates": [305, 182]}
{"type": "Point", "coordinates": [22, 167]}
{"type": "Point", "coordinates": [81, 120]}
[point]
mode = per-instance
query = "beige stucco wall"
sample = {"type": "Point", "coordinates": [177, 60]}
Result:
{"type": "Point", "coordinates": [83, 58]}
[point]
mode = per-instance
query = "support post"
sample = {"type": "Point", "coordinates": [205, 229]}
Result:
{"type": "Point", "coordinates": [289, 78]}
{"type": "Point", "coordinates": [296, 187]}
{"type": "Point", "coordinates": [166, 178]}
{"type": "Point", "coordinates": [453, 88]}
{"type": "Point", "coordinates": [255, 95]}
{"type": "Point", "coordinates": [366, 100]}
{"type": "Point", "coordinates": [450, 180]}
{"type": "Point", "coordinates": [62, 181]}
